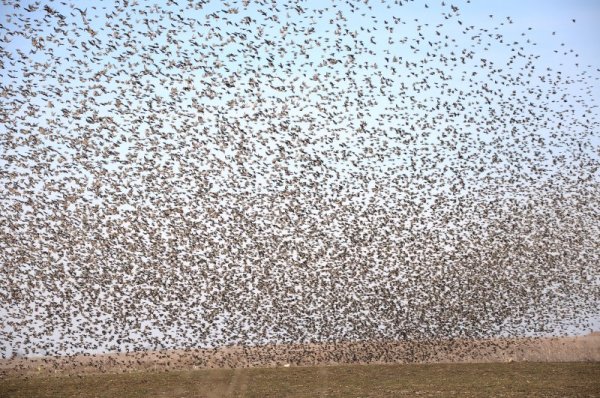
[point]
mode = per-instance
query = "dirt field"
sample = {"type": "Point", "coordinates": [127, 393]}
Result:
{"type": "Point", "coordinates": [517, 367]}
{"type": "Point", "coordinates": [432, 380]}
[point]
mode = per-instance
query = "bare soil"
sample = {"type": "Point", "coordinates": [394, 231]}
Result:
{"type": "Point", "coordinates": [525, 379]}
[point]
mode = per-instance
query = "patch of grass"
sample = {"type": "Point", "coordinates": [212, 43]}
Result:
{"type": "Point", "coordinates": [439, 380]}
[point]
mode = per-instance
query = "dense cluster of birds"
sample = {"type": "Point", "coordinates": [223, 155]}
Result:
{"type": "Point", "coordinates": [204, 174]}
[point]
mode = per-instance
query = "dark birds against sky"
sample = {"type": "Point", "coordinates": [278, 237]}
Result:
{"type": "Point", "coordinates": [192, 173]}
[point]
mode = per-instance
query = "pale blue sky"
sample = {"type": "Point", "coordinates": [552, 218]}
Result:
{"type": "Point", "coordinates": [545, 17]}
{"type": "Point", "coordinates": [560, 43]}
{"type": "Point", "coordinates": [146, 84]}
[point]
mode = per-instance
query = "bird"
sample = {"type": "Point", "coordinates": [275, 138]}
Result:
{"type": "Point", "coordinates": [210, 184]}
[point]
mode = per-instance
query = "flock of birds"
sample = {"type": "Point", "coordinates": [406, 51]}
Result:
{"type": "Point", "coordinates": [197, 174]}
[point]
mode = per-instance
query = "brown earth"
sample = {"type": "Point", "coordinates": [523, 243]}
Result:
{"type": "Point", "coordinates": [519, 379]}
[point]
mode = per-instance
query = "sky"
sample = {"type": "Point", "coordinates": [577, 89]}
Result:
{"type": "Point", "coordinates": [551, 24]}
{"type": "Point", "coordinates": [347, 108]}
{"type": "Point", "coordinates": [546, 17]}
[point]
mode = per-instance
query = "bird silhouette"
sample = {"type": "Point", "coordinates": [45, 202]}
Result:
{"type": "Point", "coordinates": [201, 175]}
